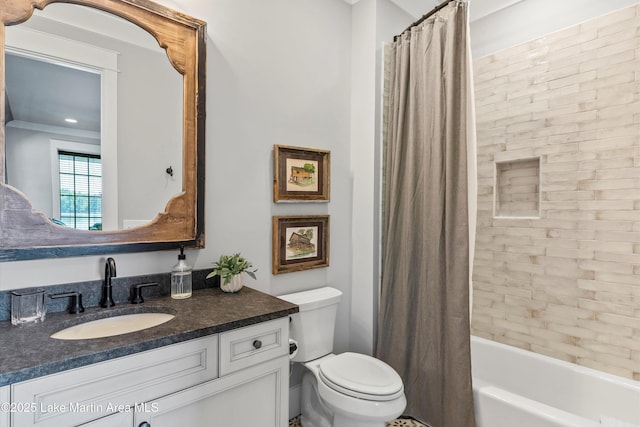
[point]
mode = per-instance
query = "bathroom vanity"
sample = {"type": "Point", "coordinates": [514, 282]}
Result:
{"type": "Point", "coordinates": [228, 364]}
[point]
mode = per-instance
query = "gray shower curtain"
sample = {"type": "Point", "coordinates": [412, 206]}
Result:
{"type": "Point", "coordinates": [423, 329]}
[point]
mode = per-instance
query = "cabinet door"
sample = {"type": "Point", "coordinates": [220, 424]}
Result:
{"type": "Point", "coordinates": [4, 409]}
{"type": "Point", "coordinates": [119, 419]}
{"type": "Point", "coordinates": [256, 396]}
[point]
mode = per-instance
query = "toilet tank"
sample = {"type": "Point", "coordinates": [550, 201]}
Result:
{"type": "Point", "coordinates": [314, 325]}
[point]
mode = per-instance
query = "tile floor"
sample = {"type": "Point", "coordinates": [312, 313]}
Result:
{"type": "Point", "coordinates": [295, 422]}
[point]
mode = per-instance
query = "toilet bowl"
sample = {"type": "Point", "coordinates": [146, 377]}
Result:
{"type": "Point", "coordinates": [351, 390]}
{"type": "Point", "coordinates": [344, 390]}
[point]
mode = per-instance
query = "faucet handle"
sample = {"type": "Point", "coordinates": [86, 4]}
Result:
{"type": "Point", "coordinates": [75, 306]}
{"type": "Point", "coordinates": [136, 291]}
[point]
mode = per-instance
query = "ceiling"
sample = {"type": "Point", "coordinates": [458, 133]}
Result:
{"type": "Point", "coordinates": [46, 93]}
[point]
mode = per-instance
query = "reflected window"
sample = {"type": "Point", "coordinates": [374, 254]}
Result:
{"type": "Point", "coordinates": [80, 190]}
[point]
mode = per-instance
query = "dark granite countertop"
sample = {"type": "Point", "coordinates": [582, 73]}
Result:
{"type": "Point", "coordinates": [28, 351]}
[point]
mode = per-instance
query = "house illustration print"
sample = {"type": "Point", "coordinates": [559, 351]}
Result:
{"type": "Point", "coordinates": [302, 175]}
{"type": "Point", "coordinates": [301, 242]}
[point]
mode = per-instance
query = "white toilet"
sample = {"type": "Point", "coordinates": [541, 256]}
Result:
{"type": "Point", "coordinates": [345, 390]}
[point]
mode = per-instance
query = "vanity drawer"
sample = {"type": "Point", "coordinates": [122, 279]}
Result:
{"type": "Point", "coordinates": [84, 394]}
{"type": "Point", "coordinates": [244, 347]}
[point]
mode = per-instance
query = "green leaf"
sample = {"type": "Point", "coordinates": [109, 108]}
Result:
{"type": "Point", "coordinates": [228, 266]}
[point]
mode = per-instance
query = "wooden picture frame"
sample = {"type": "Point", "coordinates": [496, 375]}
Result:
{"type": "Point", "coordinates": [300, 243]}
{"type": "Point", "coordinates": [300, 174]}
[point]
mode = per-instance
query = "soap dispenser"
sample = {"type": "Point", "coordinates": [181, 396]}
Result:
{"type": "Point", "coordinates": [181, 283]}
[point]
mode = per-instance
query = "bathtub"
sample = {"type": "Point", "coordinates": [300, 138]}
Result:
{"type": "Point", "coordinates": [518, 388]}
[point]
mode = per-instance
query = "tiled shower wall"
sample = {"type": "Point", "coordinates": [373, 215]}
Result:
{"type": "Point", "coordinates": [557, 264]}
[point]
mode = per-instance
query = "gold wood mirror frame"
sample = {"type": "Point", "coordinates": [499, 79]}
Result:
{"type": "Point", "coordinates": [26, 234]}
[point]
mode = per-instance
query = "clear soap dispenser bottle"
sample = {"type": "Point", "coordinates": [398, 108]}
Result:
{"type": "Point", "coordinates": [181, 278]}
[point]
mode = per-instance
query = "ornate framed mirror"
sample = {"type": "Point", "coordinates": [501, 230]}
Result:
{"type": "Point", "coordinates": [29, 231]}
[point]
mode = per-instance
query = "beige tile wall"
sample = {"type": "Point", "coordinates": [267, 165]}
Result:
{"type": "Point", "coordinates": [566, 284]}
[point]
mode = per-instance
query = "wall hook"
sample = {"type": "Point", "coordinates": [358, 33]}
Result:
{"type": "Point", "coordinates": [169, 170]}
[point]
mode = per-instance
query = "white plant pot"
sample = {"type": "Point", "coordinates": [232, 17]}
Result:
{"type": "Point", "coordinates": [234, 285]}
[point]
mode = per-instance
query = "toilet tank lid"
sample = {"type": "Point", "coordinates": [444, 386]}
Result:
{"type": "Point", "coordinates": [314, 298]}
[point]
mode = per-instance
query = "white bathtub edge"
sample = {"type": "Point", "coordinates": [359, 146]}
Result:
{"type": "Point", "coordinates": [500, 405]}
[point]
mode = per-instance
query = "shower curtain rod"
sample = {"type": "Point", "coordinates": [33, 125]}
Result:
{"type": "Point", "coordinates": [424, 17]}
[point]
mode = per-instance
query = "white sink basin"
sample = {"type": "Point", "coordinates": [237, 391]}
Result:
{"type": "Point", "coordinates": [111, 326]}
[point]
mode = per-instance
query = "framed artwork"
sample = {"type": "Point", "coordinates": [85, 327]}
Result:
{"type": "Point", "coordinates": [300, 243]}
{"type": "Point", "coordinates": [300, 174]}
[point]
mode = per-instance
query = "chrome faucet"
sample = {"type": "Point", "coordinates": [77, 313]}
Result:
{"type": "Point", "coordinates": [109, 272]}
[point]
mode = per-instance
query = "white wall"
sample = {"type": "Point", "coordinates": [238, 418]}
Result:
{"type": "Point", "coordinates": [34, 176]}
{"type": "Point", "coordinates": [529, 19]}
{"type": "Point", "coordinates": [374, 22]}
{"type": "Point", "coordinates": [31, 150]}
{"type": "Point", "coordinates": [363, 103]}
{"type": "Point", "coordinates": [278, 73]}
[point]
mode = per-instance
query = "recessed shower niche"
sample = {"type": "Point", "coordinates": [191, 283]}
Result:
{"type": "Point", "coordinates": [517, 188]}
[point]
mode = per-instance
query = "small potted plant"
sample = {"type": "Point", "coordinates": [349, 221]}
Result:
{"type": "Point", "coordinates": [230, 269]}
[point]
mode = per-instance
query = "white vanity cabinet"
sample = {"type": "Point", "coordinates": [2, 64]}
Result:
{"type": "Point", "coordinates": [4, 409]}
{"type": "Point", "coordinates": [252, 389]}
{"type": "Point", "coordinates": [235, 379]}
{"type": "Point", "coordinates": [255, 396]}
{"type": "Point", "coordinates": [119, 419]}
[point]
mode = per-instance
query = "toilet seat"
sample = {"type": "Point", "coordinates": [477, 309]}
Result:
{"type": "Point", "coordinates": [361, 376]}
